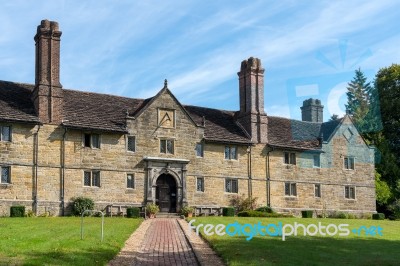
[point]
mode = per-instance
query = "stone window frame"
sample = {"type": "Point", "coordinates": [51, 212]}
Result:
{"type": "Point", "coordinates": [166, 141]}
{"type": "Point", "coordinates": [347, 166]}
{"type": "Point", "coordinates": [91, 172]}
{"type": "Point", "coordinates": [319, 160]}
{"type": "Point", "coordinates": [288, 157]}
{"type": "Point", "coordinates": [230, 148]}
{"type": "Point", "coordinates": [199, 144]}
{"type": "Point", "coordinates": [1, 133]}
{"type": "Point", "coordinates": [233, 180]}
{"type": "Point", "coordinates": [127, 143]}
{"type": "Point", "coordinates": [133, 183]}
{"type": "Point", "coordinates": [319, 194]}
{"type": "Point", "coordinates": [202, 184]}
{"type": "Point", "coordinates": [347, 192]}
{"type": "Point", "coordinates": [91, 140]}
{"type": "Point", "coordinates": [290, 185]}
{"type": "Point", "coordinates": [9, 175]}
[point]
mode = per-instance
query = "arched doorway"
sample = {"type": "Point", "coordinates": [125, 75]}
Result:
{"type": "Point", "coordinates": [166, 193]}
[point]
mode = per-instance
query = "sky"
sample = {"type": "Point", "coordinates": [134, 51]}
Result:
{"type": "Point", "coordinates": [309, 49]}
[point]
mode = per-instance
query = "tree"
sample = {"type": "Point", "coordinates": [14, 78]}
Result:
{"type": "Point", "coordinates": [383, 193]}
{"type": "Point", "coordinates": [387, 83]}
{"type": "Point", "coordinates": [334, 117]}
{"type": "Point", "coordinates": [358, 106]}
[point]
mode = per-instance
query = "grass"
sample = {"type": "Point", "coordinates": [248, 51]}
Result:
{"type": "Point", "coordinates": [57, 240]}
{"type": "Point", "coordinates": [307, 250]}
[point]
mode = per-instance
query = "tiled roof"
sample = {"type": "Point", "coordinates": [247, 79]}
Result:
{"type": "Point", "coordinates": [15, 103]}
{"type": "Point", "coordinates": [295, 134]}
{"type": "Point", "coordinates": [94, 111]}
{"type": "Point", "coordinates": [220, 125]}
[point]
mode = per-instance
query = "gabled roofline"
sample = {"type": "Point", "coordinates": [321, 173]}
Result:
{"type": "Point", "coordinates": [152, 99]}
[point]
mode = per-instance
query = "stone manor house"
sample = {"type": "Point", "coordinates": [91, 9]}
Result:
{"type": "Point", "coordinates": [57, 143]}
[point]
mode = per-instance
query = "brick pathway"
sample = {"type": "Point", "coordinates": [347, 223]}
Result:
{"type": "Point", "coordinates": [165, 244]}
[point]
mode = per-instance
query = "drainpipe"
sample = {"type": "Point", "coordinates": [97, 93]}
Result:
{"type": "Point", "coordinates": [35, 165]}
{"type": "Point", "coordinates": [250, 172]}
{"type": "Point", "coordinates": [268, 178]}
{"type": "Point", "coordinates": [63, 173]}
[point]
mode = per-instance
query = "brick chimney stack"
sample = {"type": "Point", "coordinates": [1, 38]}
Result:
{"type": "Point", "coordinates": [251, 93]}
{"type": "Point", "coordinates": [48, 95]}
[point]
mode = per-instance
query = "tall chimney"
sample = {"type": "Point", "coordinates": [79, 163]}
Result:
{"type": "Point", "coordinates": [251, 93]}
{"type": "Point", "coordinates": [312, 111]}
{"type": "Point", "coordinates": [48, 95]}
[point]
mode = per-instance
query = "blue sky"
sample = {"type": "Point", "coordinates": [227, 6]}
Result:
{"type": "Point", "coordinates": [308, 48]}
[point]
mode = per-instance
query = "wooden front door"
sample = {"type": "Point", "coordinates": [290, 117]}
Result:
{"type": "Point", "coordinates": [166, 193]}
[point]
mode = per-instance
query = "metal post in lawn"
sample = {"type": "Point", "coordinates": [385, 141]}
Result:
{"type": "Point", "coordinates": [102, 222]}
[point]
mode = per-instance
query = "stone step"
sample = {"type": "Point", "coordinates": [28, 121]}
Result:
{"type": "Point", "coordinates": [167, 215]}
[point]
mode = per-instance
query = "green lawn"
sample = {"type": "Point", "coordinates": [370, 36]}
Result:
{"type": "Point", "coordinates": [307, 250]}
{"type": "Point", "coordinates": [57, 240]}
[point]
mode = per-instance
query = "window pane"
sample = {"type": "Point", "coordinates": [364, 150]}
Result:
{"type": "Point", "coordinates": [87, 140]}
{"type": "Point", "coordinates": [233, 153]}
{"type": "Point", "coordinates": [228, 185]}
{"type": "Point", "coordinates": [346, 163]}
{"type": "Point", "coordinates": [227, 152]}
{"type": "Point", "coordinates": [317, 190]}
{"type": "Point", "coordinates": [131, 143]}
{"type": "Point", "coordinates": [170, 146]}
{"type": "Point", "coordinates": [286, 158]}
{"type": "Point", "coordinates": [6, 134]}
{"type": "Point", "coordinates": [5, 174]}
{"type": "Point", "coordinates": [86, 179]}
{"type": "Point", "coordinates": [199, 149]}
{"type": "Point", "coordinates": [346, 192]}
{"type": "Point", "coordinates": [95, 141]}
{"type": "Point", "coordinates": [163, 146]}
{"type": "Point", "coordinates": [317, 162]}
{"type": "Point", "coordinates": [235, 186]}
{"type": "Point", "coordinates": [200, 184]}
{"type": "Point", "coordinates": [130, 181]}
{"type": "Point", "coordinates": [293, 189]}
{"type": "Point", "coordinates": [352, 193]}
{"type": "Point", "coordinates": [96, 179]}
{"type": "Point", "coordinates": [287, 189]}
{"type": "Point", "coordinates": [293, 158]}
{"type": "Point", "coordinates": [351, 161]}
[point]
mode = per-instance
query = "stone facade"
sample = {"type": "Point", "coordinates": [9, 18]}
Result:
{"type": "Point", "coordinates": [56, 152]}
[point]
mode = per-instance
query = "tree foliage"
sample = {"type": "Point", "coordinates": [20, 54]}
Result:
{"type": "Point", "coordinates": [383, 193]}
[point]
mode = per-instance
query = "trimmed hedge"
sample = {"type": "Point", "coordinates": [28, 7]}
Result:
{"type": "Point", "coordinates": [133, 212]}
{"type": "Point", "coordinates": [251, 213]}
{"type": "Point", "coordinates": [307, 214]}
{"type": "Point", "coordinates": [228, 211]}
{"type": "Point", "coordinates": [17, 211]}
{"type": "Point", "coordinates": [265, 209]}
{"type": "Point", "coordinates": [378, 216]}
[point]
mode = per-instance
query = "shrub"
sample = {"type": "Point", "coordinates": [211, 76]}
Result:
{"type": "Point", "coordinates": [80, 204]}
{"type": "Point", "coordinates": [378, 216]}
{"type": "Point", "coordinates": [30, 213]}
{"type": "Point", "coordinates": [186, 210]}
{"type": "Point", "coordinates": [394, 208]}
{"type": "Point", "coordinates": [132, 212]}
{"type": "Point", "coordinates": [228, 211]}
{"type": "Point", "coordinates": [351, 216]}
{"type": "Point", "coordinates": [307, 214]}
{"type": "Point", "coordinates": [17, 211]}
{"type": "Point", "coordinates": [152, 208]}
{"type": "Point", "coordinates": [242, 204]}
{"type": "Point", "coordinates": [265, 209]}
{"type": "Point", "coordinates": [341, 215]}
{"type": "Point", "coordinates": [251, 213]}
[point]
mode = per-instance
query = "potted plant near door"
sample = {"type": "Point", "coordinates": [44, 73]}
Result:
{"type": "Point", "coordinates": [152, 209]}
{"type": "Point", "coordinates": [187, 211]}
